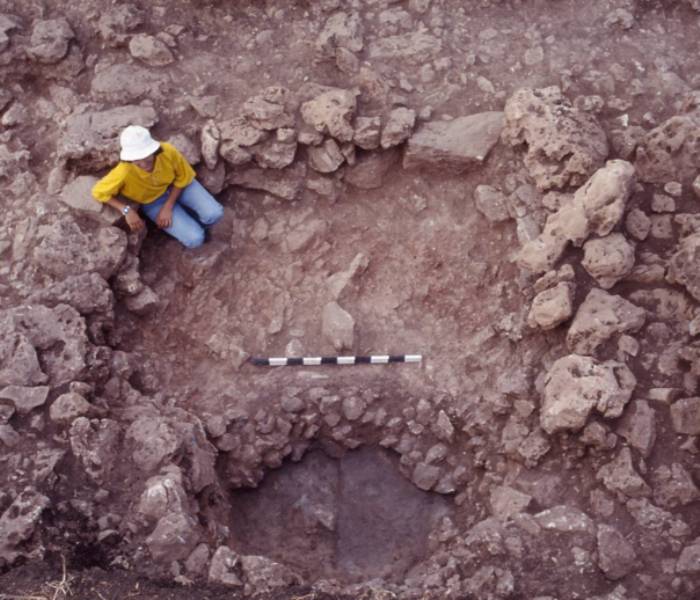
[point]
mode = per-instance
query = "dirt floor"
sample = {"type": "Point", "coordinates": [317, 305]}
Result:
{"type": "Point", "coordinates": [161, 463]}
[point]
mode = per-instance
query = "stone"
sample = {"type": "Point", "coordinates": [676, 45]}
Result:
{"type": "Point", "coordinates": [88, 293]}
{"type": "Point", "coordinates": [78, 194]}
{"type": "Point", "coordinates": [8, 436]}
{"type": "Point", "coordinates": [605, 195]}
{"type": "Point", "coordinates": [638, 426]}
{"type": "Point", "coordinates": [457, 146]}
{"type": "Point", "coordinates": [286, 184]}
{"type": "Point", "coordinates": [507, 502]}
{"type": "Point", "coordinates": [95, 443]}
{"type": "Point", "coordinates": [224, 568]}
{"type": "Point", "coordinates": [685, 416]}
{"type": "Point", "coordinates": [187, 148]}
{"type": "Point", "coordinates": [575, 385]}
{"type": "Point", "coordinates": [115, 23]}
{"type": "Point", "coordinates": [342, 31]}
{"type": "Point", "coordinates": [163, 494]}
{"type": "Point", "coordinates": [353, 408]}
{"type": "Point", "coordinates": [325, 158]}
{"type": "Point", "coordinates": [7, 23]}
{"type": "Point", "coordinates": [564, 146]}
{"type": "Point", "coordinates": [367, 132]}
{"type": "Point", "coordinates": [337, 326]}
{"type": "Point", "coordinates": [620, 476]}
{"type": "Point", "coordinates": [68, 407]}
{"type": "Point", "coordinates": [608, 259]}
{"type": "Point", "coordinates": [262, 575]}
{"type": "Point", "coordinates": [491, 203]}
{"type": "Point", "coordinates": [173, 538]}
{"type": "Point", "coordinates": [197, 561]}
{"type": "Point", "coordinates": [19, 363]}
{"type": "Point", "coordinates": [371, 168]}
{"type": "Point", "coordinates": [566, 519]}
{"type": "Point", "coordinates": [305, 235]}
{"type": "Point", "coordinates": [683, 267]}
{"type": "Point", "coordinates": [19, 522]}
{"type": "Point", "coordinates": [25, 399]}
{"type": "Point", "coordinates": [425, 476]}
{"type": "Point", "coordinates": [151, 441]}
{"type": "Point", "coordinates": [600, 316]}
{"type": "Point", "coordinates": [150, 50]}
{"type": "Point", "coordinates": [268, 110]}
{"type": "Point", "coordinates": [49, 40]}
{"type": "Point", "coordinates": [689, 559]}
{"type": "Point", "coordinates": [398, 127]}
{"type": "Point", "coordinates": [331, 113]}
{"type": "Point", "coordinates": [443, 427]}
{"type": "Point", "coordinates": [661, 203]}
{"type": "Point", "coordinates": [552, 307]}
{"type": "Point", "coordinates": [123, 83]}
{"type": "Point", "coordinates": [616, 556]}
{"type": "Point", "coordinates": [638, 224]}
{"type": "Point", "coordinates": [273, 154]}
{"type": "Point", "coordinates": [674, 486]}
{"type": "Point", "coordinates": [416, 47]}
{"type": "Point", "coordinates": [210, 138]}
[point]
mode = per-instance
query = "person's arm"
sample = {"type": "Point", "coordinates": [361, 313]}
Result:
{"type": "Point", "coordinates": [133, 220]}
{"type": "Point", "coordinates": [165, 214]}
{"type": "Point", "coordinates": [184, 174]}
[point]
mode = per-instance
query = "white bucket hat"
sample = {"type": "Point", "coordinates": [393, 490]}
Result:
{"type": "Point", "coordinates": [137, 143]}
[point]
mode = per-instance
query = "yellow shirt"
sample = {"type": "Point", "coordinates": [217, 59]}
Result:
{"type": "Point", "coordinates": [169, 168]}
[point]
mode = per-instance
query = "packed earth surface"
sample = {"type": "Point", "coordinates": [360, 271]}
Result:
{"type": "Point", "coordinates": [508, 188]}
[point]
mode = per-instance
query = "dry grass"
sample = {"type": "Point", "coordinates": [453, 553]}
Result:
{"type": "Point", "coordinates": [57, 590]}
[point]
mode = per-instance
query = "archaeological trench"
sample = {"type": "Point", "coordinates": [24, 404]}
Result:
{"type": "Point", "coordinates": [508, 188]}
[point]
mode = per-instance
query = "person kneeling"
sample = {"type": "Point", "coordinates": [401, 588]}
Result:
{"type": "Point", "coordinates": [158, 178]}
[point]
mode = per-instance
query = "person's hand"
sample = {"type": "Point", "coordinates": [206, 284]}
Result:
{"type": "Point", "coordinates": [133, 220]}
{"type": "Point", "coordinates": [165, 217]}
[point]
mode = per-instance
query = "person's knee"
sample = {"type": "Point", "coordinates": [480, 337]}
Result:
{"type": "Point", "coordinates": [214, 214]}
{"type": "Point", "coordinates": [193, 240]}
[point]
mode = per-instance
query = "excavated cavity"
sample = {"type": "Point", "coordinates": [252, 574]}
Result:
{"type": "Point", "coordinates": [353, 518]}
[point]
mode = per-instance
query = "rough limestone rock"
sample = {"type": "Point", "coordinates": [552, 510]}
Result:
{"type": "Point", "coordinates": [619, 475]}
{"type": "Point", "coordinates": [685, 416]}
{"type": "Point", "coordinates": [491, 203]}
{"type": "Point", "coordinates": [284, 183]}
{"type": "Point", "coordinates": [18, 523]}
{"type": "Point", "coordinates": [367, 132]}
{"type": "Point", "coordinates": [596, 207]}
{"type": "Point", "coordinates": [117, 22]}
{"type": "Point", "coordinates": [234, 139]}
{"type": "Point", "coordinates": [674, 486]}
{"type": "Point", "coordinates": [269, 110]}
{"type": "Point", "coordinates": [77, 194]}
{"type": "Point", "coordinates": [45, 329]}
{"type": "Point", "coordinates": [575, 385]}
{"type": "Point", "coordinates": [326, 158]}
{"type": "Point", "coordinates": [566, 519]}
{"type": "Point", "coordinates": [49, 40]}
{"type": "Point", "coordinates": [174, 538]}
{"type": "Point", "coordinates": [95, 443]}
{"type": "Point", "coordinates": [341, 31]}
{"type": "Point", "coordinates": [415, 47]}
{"type": "Point", "coordinates": [274, 153]}
{"type": "Point", "coordinates": [19, 363]}
{"type": "Point", "coordinates": [88, 293]}
{"type": "Point", "coordinates": [638, 426]}
{"type": "Point", "coordinates": [638, 224]}
{"type": "Point", "coordinates": [684, 266]}
{"type": "Point", "coordinates": [65, 248]}
{"type": "Point", "coordinates": [93, 137]}
{"type": "Point", "coordinates": [338, 326]}
{"type": "Point", "coordinates": [7, 23]}
{"type": "Point", "coordinates": [371, 168]}
{"type": "Point", "coordinates": [507, 501]}
{"type": "Point", "coordinates": [608, 259]}
{"type": "Point", "coordinates": [150, 50]}
{"type": "Point", "coordinates": [225, 568]}
{"type": "Point", "coordinates": [163, 494]}
{"type": "Point", "coordinates": [262, 575]}
{"type": "Point", "coordinates": [68, 407]}
{"type": "Point", "coordinates": [616, 556]}
{"type": "Point", "coordinates": [458, 145]}
{"type": "Point", "coordinates": [25, 399]}
{"type": "Point", "coordinates": [600, 316]}
{"type": "Point", "coordinates": [123, 83]}
{"type": "Point", "coordinates": [671, 151]}
{"type": "Point", "coordinates": [187, 147]}
{"type": "Point", "coordinates": [689, 559]}
{"type": "Point", "coordinates": [552, 307]}
{"type": "Point", "coordinates": [331, 113]}
{"type": "Point", "coordinates": [398, 127]}
{"type": "Point", "coordinates": [564, 145]}
{"type": "Point", "coordinates": [152, 440]}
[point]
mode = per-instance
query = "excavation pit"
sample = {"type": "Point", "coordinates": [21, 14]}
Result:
{"type": "Point", "coordinates": [353, 519]}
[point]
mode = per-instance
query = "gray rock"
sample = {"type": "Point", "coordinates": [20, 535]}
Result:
{"type": "Point", "coordinates": [600, 316]}
{"type": "Point", "coordinates": [197, 561]}
{"type": "Point", "coordinates": [458, 145]}
{"type": "Point", "coordinates": [616, 556]}
{"type": "Point", "coordinates": [638, 426]}
{"type": "Point", "coordinates": [341, 31]}
{"type": "Point", "coordinates": [68, 407]}
{"type": "Point", "coordinates": [7, 23]}
{"type": "Point", "coordinates": [619, 475]}
{"type": "Point", "coordinates": [326, 158]}
{"type": "Point", "coordinates": [367, 132]}
{"type": "Point", "coordinates": [174, 538]}
{"type": "Point", "coordinates": [331, 113]}
{"type": "Point", "coordinates": [274, 154]}
{"type": "Point", "coordinates": [8, 436]}
{"type": "Point", "coordinates": [262, 575]}
{"type": "Point", "coordinates": [338, 326]}
{"type": "Point", "coordinates": [566, 519]}
{"type": "Point", "coordinates": [187, 147]}
{"type": "Point", "coordinates": [608, 259]}
{"type": "Point", "coordinates": [49, 40]}
{"type": "Point", "coordinates": [95, 443]}
{"type": "Point", "coordinates": [164, 494]}
{"type": "Point", "coordinates": [18, 523]}
{"type": "Point", "coordinates": [116, 22]}
{"type": "Point", "coordinates": [25, 399]}
{"type": "Point", "coordinates": [87, 293]}
{"type": "Point", "coordinates": [425, 476]}
{"type": "Point", "coordinates": [269, 110]}
{"type": "Point", "coordinates": [674, 486]}
{"type": "Point", "coordinates": [443, 427]}
{"type": "Point", "coordinates": [398, 127]}
{"type": "Point", "coordinates": [210, 138]}
{"type": "Point", "coordinates": [150, 50]}
{"type": "Point", "coordinates": [121, 83]}
{"type": "Point", "coordinates": [416, 47]}
{"type": "Point", "coordinates": [507, 502]}
{"type": "Point", "coordinates": [491, 203]}
{"type": "Point", "coordinates": [78, 194]}
{"type": "Point", "coordinates": [339, 282]}
{"type": "Point", "coordinates": [552, 307]}
{"type": "Point", "coordinates": [305, 235]}
{"type": "Point", "coordinates": [353, 407]}
{"type": "Point", "coordinates": [151, 441]}
{"type": "Point", "coordinates": [283, 183]}
{"type": "Point", "coordinates": [371, 169]}
{"type": "Point", "coordinates": [685, 416]}
{"type": "Point", "coordinates": [224, 568]}
{"type": "Point", "coordinates": [689, 559]}
{"type": "Point", "coordinates": [19, 363]}
{"type": "Point", "coordinates": [551, 128]}
{"type": "Point", "coordinates": [575, 385]}
{"type": "Point", "coordinates": [683, 268]}
{"type": "Point", "coordinates": [638, 224]}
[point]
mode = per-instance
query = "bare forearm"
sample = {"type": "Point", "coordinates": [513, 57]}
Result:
{"type": "Point", "coordinates": [173, 196]}
{"type": "Point", "coordinates": [118, 204]}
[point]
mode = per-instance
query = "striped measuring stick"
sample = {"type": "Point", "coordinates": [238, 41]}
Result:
{"type": "Point", "coordinates": [312, 361]}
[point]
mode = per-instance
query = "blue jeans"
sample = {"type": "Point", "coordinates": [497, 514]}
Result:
{"type": "Point", "coordinates": [185, 228]}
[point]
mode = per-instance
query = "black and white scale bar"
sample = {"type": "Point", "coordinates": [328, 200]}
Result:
{"type": "Point", "coordinates": [312, 361]}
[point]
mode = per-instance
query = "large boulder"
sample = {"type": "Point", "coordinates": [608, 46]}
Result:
{"type": "Point", "coordinates": [575, 385]}
{"type": "Point", "coordinates": [552, 307]}
{"type": "Point", "coordinates": [123, 82]}
{"type": "Point", "coordinates": [619, 475]}
{"type": "Point", "coordinates": [49, 40]}
{"type": "Point", "coordinates": [684, 266]}
{"type": "Point", "coordinates": [616, 556]}
{"type": "Point", "coordinates": [600, 316]}
{"type": "Point", "coordinates": [608, 259]}
{"type": "Point", "coordinates": [564, 145]}
{"type": "Point", "coordinates": [284, 183]}
{"type": "Point", "coordinates": [88, 293]}
{"type": "Point", "coordinates": [338, 326]}
{"type": "Point", "coordinates": [457, 145]}
{"type": "Point", "coordinates": [331, 113]}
